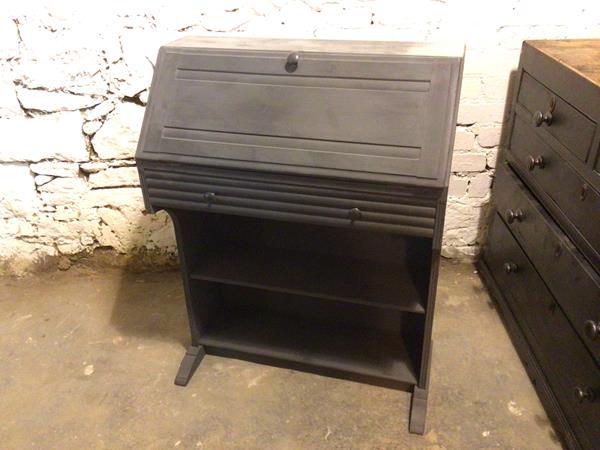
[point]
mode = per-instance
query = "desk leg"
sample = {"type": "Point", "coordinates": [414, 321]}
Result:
{"type": "Point", "coordinates": [418, 411]}
{"type": "Point", "coordinates": [189, 364]}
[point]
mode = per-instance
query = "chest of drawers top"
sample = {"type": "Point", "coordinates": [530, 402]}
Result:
{"type": "Point", "coordinates": [581, 56]}
{"type": "Point", "coordinates": [353, 110]}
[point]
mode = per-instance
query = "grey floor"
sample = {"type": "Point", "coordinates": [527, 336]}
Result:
{"type": "Point", "coordinates": [87, 360]}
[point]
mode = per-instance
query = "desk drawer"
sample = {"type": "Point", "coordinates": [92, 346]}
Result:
{"type": "Point", "coordinates": [279, 197]}
{"type": "Point", "coordinates": [556, 179]}
{"type": "Point", "coordinates": [570, 278]}
{"type": "Point", "coordinates": [567, 364]}
{"type": "Point", "coordinates": [550, 112]}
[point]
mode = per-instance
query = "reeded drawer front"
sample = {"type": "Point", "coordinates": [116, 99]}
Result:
{"type": "Point", "coordinates": [288, 198]}
{"type": "Point", "coordinates": [579, 202]}
{"type": "Point", "coordinates": [550, 112]}
{"type": "Point", "coordinates": [569, 367]}
{"type": "Point", "coordinates": [570, 278]}
{"type": "Point", "coordinates": [350, 116]}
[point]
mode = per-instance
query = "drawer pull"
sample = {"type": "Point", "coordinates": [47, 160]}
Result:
{"type": "Point", "coordinates": [532, 162]}
{"type": "Point", "coordinates": [592, 329]}
{"type": "Point", "coordinates": [209, 197]}
{"type": "Point", "coordinates": [510, 267]}
{"type": "Point", "coordinates": [517, 215]}
{"type": "Point", "coordinates": [354, 214]}
{"type": "Point", "coordinates": [584, 394]}
{"type": "Point", "coordinates": [539, 118]}
{"type": "Point", "coordinates": [292, 62]}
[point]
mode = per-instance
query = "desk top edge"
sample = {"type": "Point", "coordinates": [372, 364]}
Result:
{"type": "Point", "coordinates": [433, 49]}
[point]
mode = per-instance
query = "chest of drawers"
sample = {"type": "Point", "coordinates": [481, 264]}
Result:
{"type": "Point", "coordinates": [307, 182]}
{"type": "Point", "coordinates": [541, 257]}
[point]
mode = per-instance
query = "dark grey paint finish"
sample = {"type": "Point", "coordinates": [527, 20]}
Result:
{"type": "Point", "coordinates": [570, 278]}
{"type": "Point", "coordinates": [344, 115]}
{"type": "Point", "coordinates": [308, 189]}
{"type": "Point", "coordinates": [251, 194]}
{"type": "Point", "coordinates": [568, 125]}
{"type": "Point", "coordinates": [577, 92]}
{"type": "Point", "coordinates": [559, 184]}
{"type": "Point", "coordinates": [532, 366]}
{"type": "Point", "coordinates": [542, 257]}
{"type": "Point", "coordinates": [553, 341]}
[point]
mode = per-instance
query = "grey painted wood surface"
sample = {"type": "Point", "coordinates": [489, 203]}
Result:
{"type": "Point", "coordinates": [308, 199]}
{"type": "Point", "coordinates": [559, 186]}
{"type": "Point", "coordinates": [342, 113]}
{"type": "Point", "coordinates": [565, 362]}
{"type": "Point", "coordinates": [542, 258]}
{"type": "Point", "coordinates": [570, 278]}
{"type": "Point", "coordinates": [435, 49]}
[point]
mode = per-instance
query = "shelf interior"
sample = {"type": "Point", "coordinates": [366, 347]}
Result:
{"type": "Point", "coordinates": [323, 276]}
{"type": "Point", "coordinates": [245, 325]}
{"type": "Point", "coordinates": [337, 301]}
{"type": "Point", "coordinates": [359, 267]}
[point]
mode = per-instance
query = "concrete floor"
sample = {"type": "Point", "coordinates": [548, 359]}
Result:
{"type": "Point", "coordinates": [88, 358]}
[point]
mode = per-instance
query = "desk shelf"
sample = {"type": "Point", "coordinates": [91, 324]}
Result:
{"type": "Point", "coordinates": [312, 345]}
{"type": "Point", "coordinates": [337, 301]}
{"type": "Point", "coordinates": [353, 280]}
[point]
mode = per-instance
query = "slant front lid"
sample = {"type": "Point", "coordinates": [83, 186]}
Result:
{"type": "Point", "coordinates": [345, 109]}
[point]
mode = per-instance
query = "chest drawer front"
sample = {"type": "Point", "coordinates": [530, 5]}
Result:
{"type": "Point", "coordinates": [364, 115]}
{"type": "Point", "coordinates": [284, 198]}
{"type": "Point", "coordinates": [566, 362]}
{"type": "Point", "coordinates": [570, 278]}
{"type": "Point", "coordinates": [579, 201]}
{"type": "Point", "coordinates": [550, 112]}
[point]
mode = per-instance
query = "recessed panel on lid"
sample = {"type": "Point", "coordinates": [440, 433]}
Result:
{"type": "Point", "coordinates": [361, 114]}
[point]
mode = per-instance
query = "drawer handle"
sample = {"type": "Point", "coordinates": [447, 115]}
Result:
{"type": "Point", "coordinates": [517, 215]}
{"type": "Point", "coordinates": [292, 62]}
{"type": "Point", "coordinates": [354, 214]}
{"type": "Point", "coordinates": [539, 118]}
{"type": "Point", "coordinates": [592, 329]}
{"type": "Point", "coordinates": [532, 162]}
{"type": "Point", "coordinates": [584, 394]}
{"type": "Point", "coordinates": [510, 267]}
{"type": "Point", "coordinates": [209, 197]}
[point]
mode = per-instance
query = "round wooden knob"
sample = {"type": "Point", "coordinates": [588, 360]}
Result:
{"type": "Point", "coordinates": [510, 267]}
{"type": "Point", "coordinates": [584, 394]}
{"type": "Point", "coordinates": [539, 118]}
{"type": "Point", "coordinates": [512, 215]}
{"type": "Point", "coordinates": [592, 329]}
{"type": "Point", "coordinates": [291, 63]}
{"type": "Point", "coordinates": [532, 162]}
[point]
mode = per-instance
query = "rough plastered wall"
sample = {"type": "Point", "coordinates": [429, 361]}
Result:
{"type": "Point", "coordinates": [74, 80]}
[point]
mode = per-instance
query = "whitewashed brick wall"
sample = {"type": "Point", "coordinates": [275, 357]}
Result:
{"type": "Point", "coordinates": [74, 79]}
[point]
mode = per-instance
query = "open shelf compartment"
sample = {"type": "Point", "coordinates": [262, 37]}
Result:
{"type": "Point", "coordinates": [323, 276]}
{"type": "Point", "coordinates": [361, 267]}
{"type": "Point", "coordinates": [336, 301]}
{"type": "Point", "coordinates": [348, 341]}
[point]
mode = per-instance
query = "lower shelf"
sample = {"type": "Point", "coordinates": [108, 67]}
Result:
{"type": "Point", "coordinates": [346, 352]}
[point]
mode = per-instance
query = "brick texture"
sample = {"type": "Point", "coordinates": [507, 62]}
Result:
{"type": "Point", "coordinates": [74, 79]}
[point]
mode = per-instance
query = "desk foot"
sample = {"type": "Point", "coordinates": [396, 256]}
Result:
{"type": "Point", "coordinates": [189, 364]}
{"type": "Point", "coordinates": [418, 411]}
